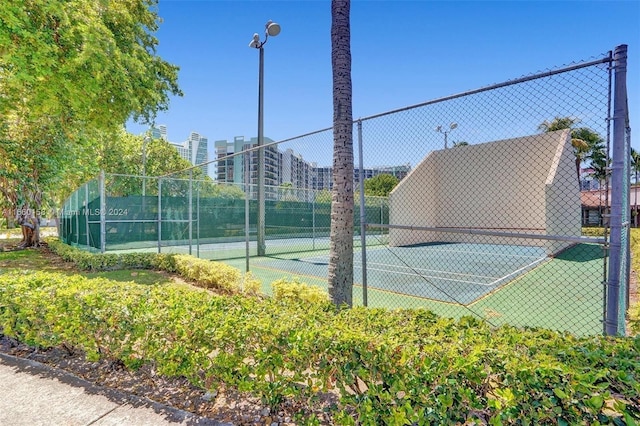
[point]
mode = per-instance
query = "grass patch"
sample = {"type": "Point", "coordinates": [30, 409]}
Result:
{"type": "Point", "coordinates": [41, 259]}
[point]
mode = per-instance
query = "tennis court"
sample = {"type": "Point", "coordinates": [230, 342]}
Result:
{"type": "Point", "coordinates": [458, 273]}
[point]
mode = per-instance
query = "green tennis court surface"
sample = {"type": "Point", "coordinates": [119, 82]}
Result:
{"type": "Point", "coordinates": [447, 272]}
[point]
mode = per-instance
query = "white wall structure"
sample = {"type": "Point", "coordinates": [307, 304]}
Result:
{"type": "Point", "coordinates": [525, 185]}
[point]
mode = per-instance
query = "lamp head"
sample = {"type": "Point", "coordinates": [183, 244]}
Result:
{"type": "Point", "coordinates": [438, 129]}
{"type": "Point", "coordinates": [255, 43]}
{"type": "Point", "coordinates": [453, 126]}
{"type": "Point", "coordinates": [272, 28]}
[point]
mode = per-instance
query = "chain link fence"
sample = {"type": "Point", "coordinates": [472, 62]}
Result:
{"type": "Point", "coordinates": [509, 203]}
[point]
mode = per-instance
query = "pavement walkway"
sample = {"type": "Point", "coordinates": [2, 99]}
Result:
{"type": "Point", "coordinates": [33, 394]}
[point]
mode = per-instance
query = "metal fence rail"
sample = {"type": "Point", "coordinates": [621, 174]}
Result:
{"type": "Point", "coordinates": [488, 193]}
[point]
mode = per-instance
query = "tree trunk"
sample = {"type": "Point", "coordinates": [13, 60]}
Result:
{"type": "Point", "coordinates": [340, 280]}
{"type": "Point", "coordinates": [578, 161]}
{"type": "Point", "coordinates": [29, 225]}
{"type": "Point", "coordinates": [28, 218]}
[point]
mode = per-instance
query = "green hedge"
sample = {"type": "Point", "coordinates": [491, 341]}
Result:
{"type": "Point", "coordinates": [204, 273]}
{"type": "Point", "coordinates": [389, 367]}
{"type": "Point", "coordinates": [88, 261]}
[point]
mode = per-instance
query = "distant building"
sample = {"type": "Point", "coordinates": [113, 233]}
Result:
{"type": "Point", "coordinates": [398, 171]}
{"type": "Point", "coordinates": [282, 167]}
{"type": "Point", "coordinates": [240, 169]}
{"type": "Point", "coordinates": [195, 149]}
{"type": "Point", "coordinates": [322, 178]}
{"type": "Point", "coordinates": [295, 170]}
{"type": "Point", "coordinates": [587, 181]}
{"type": "Point", "coordinates": [596, 205]}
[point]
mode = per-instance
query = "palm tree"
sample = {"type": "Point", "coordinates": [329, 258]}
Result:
{"type": "Point", "coordinates": [558, 123]}
{"type": "Point", "coordinates": [583, 139]}
{"type": "Point", "coordinates": [635, 168]}
{"type": "Point", "coordinates": [340, 280]}
{"type": "Point", "coordinates": [586, 144]}
{"type": "Point", "coordinates": [460, 143]}
{"type": "Point", "coordinates": [599, 165]}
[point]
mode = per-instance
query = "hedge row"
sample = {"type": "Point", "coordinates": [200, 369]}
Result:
{"type": "Point", "coordinates": [204, 273]}
{"type": "Point", "coordinates": [388, 367]}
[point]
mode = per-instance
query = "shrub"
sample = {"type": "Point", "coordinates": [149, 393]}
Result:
{"type": "Point", "coordinates": [250, 284]}
{"type": "Point", "coordinates": [204, 273]}
{"type": "Point", "coordinates": [388, 367]}
{"type": "Point", "coordinates": [209, 274]}
{"type": "Point", "coordinates": [295, 290]}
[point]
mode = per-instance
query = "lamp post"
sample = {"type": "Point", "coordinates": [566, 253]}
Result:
{"type": "Point", "coordinates": [439, 129]}
{"type": "Point", "coordinates": [271, 29]}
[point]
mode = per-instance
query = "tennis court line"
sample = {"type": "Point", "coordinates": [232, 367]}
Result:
{"type": "Point", "coordinates": [456, 280]}
{"type": "Point", "coordinates": [325, 260]}
{"type": "Point", "coordinates": [505, 285]}
{"type": "Point", "coordinates": [358, 284]}
{"type": "Point", "coordinates": [425, 269]}
{"type": "Point", "coordinates": [416, 271]}
{"type": "Point", "coordinates": [519, 271]}
{"type": "Point", "coordinates": [295, 274]}
{"type": "Point", "coordinates": [482, 253]}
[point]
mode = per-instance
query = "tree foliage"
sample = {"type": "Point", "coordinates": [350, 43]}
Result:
{"type": "Point", "coordinates": [72, 72]}
{"type": "Point", "coordinates": [380, 185]}
{"type": "Point", "coordinates": [587, 144]}
{"type": "Point", "coordinates": [89, 61]}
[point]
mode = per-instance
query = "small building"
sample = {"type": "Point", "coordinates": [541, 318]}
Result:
{"type": "Point", "coordinates": [595, 204]}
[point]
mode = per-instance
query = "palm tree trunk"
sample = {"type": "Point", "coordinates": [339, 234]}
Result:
{"type": "Point", "coordinates": [635, 202]}
{"type": "Point", "coordinates": [578, 161]}
{"type": "Point", "coordinates": [340, 281]}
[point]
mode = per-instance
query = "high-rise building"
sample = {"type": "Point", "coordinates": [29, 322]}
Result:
{"type": "Point", "coordinates": [195, 149]}
{"type": "Point", "coordinates": [199, 146]}
{"type": "Point", "coordinates": [321, 177]}
{"type": "Point", "coordinates": [295, 170]}
{"type": "Point", "coordinates": [238, 169]}
{"type": "Point", "coordinates": [286, 167]}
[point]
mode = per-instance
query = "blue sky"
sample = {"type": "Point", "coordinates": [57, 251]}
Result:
{"type": "Point", "coordinates": [403, 53]}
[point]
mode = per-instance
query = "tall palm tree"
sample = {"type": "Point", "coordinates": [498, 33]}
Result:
{"type": "Point", "coordinates": [599, 165]}
{"type": "Point", "coordinates": [583, 139]}
{"type": "Point", "coordinates": [340, 280]}
{"type": "Point", "coordinates": [587, 144]}
{"type": "Point", "coordinates": [558, 123]}
{"type": "Point", "coordinates": [635, 168]}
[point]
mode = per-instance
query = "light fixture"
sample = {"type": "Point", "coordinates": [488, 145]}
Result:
{"type": "Point", "coordinates": [273, 29]}
{"type": "Point", "coordinates": [270, 29]}
{"type": "Point", "coordinates": [452, 126]}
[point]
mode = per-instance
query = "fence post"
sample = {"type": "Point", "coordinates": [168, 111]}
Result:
{"type": "Point", "coordinates": [614, 318]}
{"type": "Point", "coordinates": [159, 215]}
{"type": "Point", "coordinates": [103, 211]}
{"type": "Point", "coordinates": [78, 213]}
{"type": "Point", "coordinates": [190, 210]}
{"type": "Point", "coordinates": [363, 219]}
{"type": "Point", "coordinates": [628, 268]}
{"type": "Point", "coordinates": [199, 184]}
{"type": "Point", "coordinates": [86, 213]}
{"type": "Point", "coordinates": [247, 223]}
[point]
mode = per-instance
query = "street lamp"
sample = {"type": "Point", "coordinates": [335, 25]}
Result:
{"type": "Point", "coordinates": [439, 129]}
{"type": "Point", "coordinates": [271, 29]}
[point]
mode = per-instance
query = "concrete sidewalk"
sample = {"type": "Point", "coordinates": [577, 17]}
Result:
{"type": "Point", "coordinates": [32, 393]}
